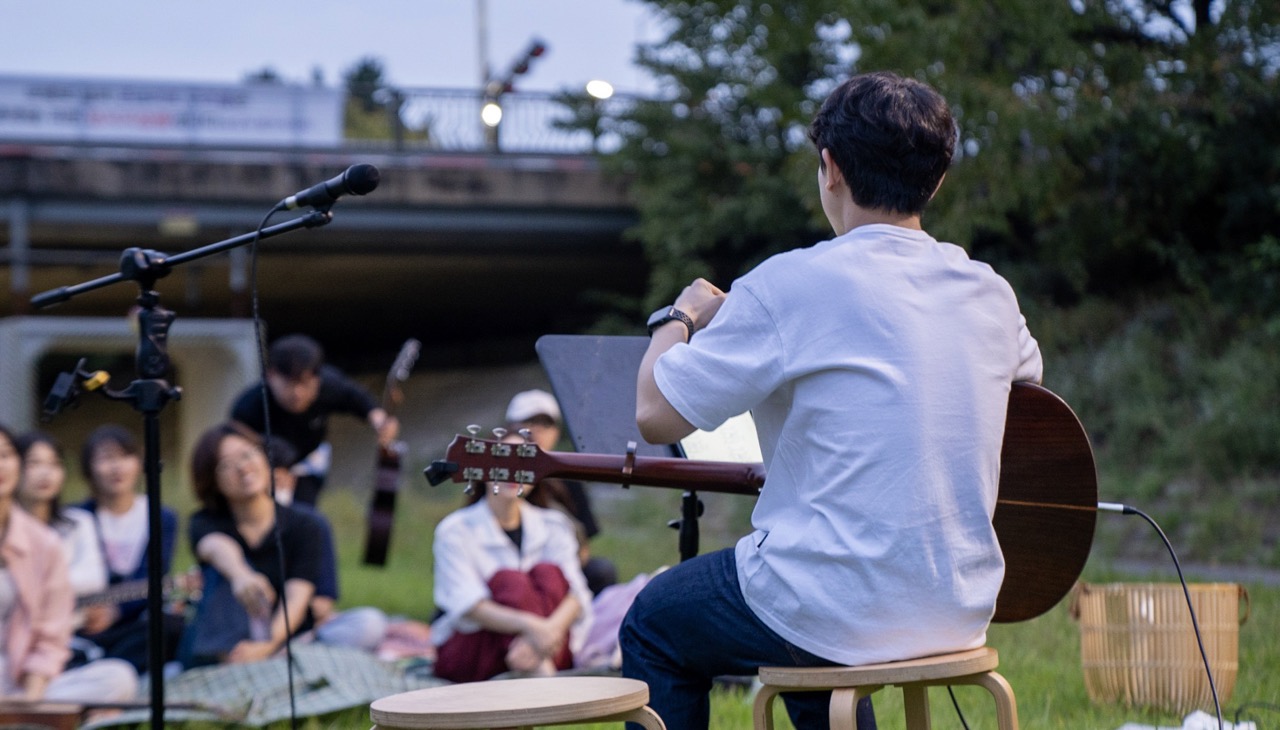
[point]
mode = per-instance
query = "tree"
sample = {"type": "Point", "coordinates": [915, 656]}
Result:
{"type": "Point", "coordinates": [363, 81]}
{"type": "Point", "coordinates": [373, 109]}
{"type": "Point", "coordinates": [264, 75]}
{"type": "Point", "coordinates": [1106, 146]}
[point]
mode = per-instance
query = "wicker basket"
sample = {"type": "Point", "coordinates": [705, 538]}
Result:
{"type": "Point", "coordinates": [1138, 648]}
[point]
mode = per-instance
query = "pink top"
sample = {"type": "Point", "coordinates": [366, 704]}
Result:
{"type": "Point", "coordinates": [39, 629]}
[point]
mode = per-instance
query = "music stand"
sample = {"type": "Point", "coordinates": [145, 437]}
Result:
{"type": "Point", "coordinates": [594, 379]}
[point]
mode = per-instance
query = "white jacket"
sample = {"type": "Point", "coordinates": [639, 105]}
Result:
{"type": "Point", "coordinates": [470, 546]}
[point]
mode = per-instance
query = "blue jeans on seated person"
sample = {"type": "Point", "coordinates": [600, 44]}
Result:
{"type": "Point", "coordinates": [689, 625]}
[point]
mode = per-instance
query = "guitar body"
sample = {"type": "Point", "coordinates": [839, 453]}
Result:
{"type": "Point", "coordinates": [382, 506]}
{"type": "Point", "coordinates": [1048, 503]}
{"type": "Point", "coordinates": [1045, 511]}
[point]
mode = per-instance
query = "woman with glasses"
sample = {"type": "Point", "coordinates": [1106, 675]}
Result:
{"type": "Point", "coordinates": [261, 561]}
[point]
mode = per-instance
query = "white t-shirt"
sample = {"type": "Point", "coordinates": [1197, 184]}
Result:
{"type": "Point", "coordinates": [80, 542]}
{"type": "Point", "coordinates": [877, 367]}
{"type": "Point", "coordinates": [470, 546]}
{"type": "Point", "coordinates": [124, 536]}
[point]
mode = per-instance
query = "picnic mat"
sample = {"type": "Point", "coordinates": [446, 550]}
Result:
{"type": "Point", "coordinates": [326, 679]}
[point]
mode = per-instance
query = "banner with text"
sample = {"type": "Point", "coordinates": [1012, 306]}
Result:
{"type": "Point", "coordinates": [148, 112]}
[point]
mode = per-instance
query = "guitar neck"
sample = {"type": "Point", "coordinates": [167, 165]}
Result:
{"type": "Point", "coordinates": [132, 590]}
{"type": "Point", "coordinates": [656, 471]}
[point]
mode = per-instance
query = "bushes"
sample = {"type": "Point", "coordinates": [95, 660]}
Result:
{"type": "Point", "coordinates": [1180, 399]}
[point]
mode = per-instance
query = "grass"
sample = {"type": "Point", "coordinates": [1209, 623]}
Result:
{"type": "Point", "coordinates": [1041, 658]}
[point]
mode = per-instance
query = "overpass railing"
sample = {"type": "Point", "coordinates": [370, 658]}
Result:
{"type": "Point", "coordinates": [450, 120]}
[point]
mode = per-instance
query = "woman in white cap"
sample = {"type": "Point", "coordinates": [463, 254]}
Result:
{"type": "Point", "coordinates": [508, 585]}
{"type": "Point", "coordinates": [538, 411]}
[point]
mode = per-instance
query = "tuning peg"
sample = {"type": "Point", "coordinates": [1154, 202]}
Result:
{"type": "Point", "coordinates": [473, 429]}
{"type": "Point", "coordinates": [470, 489]}
{"type": "Point", "coordinates": [520, 491]}
{"type": "Point", "coordinates": [526, 434]}
{"type": "Point", "coordinates": [499, 433]}
{"type": "Point", "coordinates": [496, 489]}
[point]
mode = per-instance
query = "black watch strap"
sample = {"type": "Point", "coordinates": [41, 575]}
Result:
{"type": "Point", "coordinates": [669, 314]}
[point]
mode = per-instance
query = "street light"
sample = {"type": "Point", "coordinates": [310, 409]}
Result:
{"type": "Point", "coordinates": [599, 89]}
{"type": "Point", "coordinates": [491, 114]}
{"type": "Point", "coordinates": [495, 88]}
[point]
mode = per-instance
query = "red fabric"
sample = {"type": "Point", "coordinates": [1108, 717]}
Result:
{"type": "Point", "coordinates": [483, 654]}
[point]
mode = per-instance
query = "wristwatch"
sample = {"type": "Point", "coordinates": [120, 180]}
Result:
{"type": "Point", "coordinates": [669, 314]}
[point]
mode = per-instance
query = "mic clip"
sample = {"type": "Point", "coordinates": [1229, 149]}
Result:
{"type": "Point", "coordinates": [68, 387]}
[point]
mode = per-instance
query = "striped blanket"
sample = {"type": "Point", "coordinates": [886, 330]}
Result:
{"type": "Point", "coordinates": [325, 679]}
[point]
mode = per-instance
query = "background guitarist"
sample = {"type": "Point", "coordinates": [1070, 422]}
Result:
{"type": "Point", "coordinates": [302, 393]}
{"type": "Point", "coordinates": [878, 367]}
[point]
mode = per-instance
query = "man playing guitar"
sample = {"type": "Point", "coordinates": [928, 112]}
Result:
{"type": "Point", "coordinates": [878, 367]}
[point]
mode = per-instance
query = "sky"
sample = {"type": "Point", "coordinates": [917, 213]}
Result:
{"type": "Point", "coordinates": [420, 43]}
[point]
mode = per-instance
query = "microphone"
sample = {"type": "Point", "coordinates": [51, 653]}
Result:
{"type": "Point", "coordinates": [355, 180]}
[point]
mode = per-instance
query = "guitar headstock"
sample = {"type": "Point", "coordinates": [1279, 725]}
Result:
{"type": "Point", "coordinates": [391, 393]}
{"type": "Point", "coordinates": [405, 360]}
{"type": "Point", "coordinates": [473, 459]}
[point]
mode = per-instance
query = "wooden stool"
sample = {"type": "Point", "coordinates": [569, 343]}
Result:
{"type": "Point", "coordinates": [48, 715]}
{"type": "Point", "coordinates": [915, 676]}
{"type": "Point", "coordinates": [518, 703]}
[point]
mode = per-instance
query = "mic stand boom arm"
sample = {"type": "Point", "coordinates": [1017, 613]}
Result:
{"type": "Point", "coordinates": [150, 393]}
{"type": "Point", "coordinates": [138, 264]}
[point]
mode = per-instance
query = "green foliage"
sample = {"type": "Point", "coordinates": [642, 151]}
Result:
{"type": "Point", "coordinates": [1179, 398]}
{"type": "Point", "coordinates": [1118, 161]}
{"type": "Point", "coordinates": [363, 80]}
{"type": "Point", "coordinates": [373, 108]}
{"type": "Point", "coordinates": [1105, 147]}
{"type": "Point", "coordinates": [712, 163]}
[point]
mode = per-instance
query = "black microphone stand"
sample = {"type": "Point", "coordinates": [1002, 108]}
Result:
{"type": "Point", "coordinates": [149, 394]}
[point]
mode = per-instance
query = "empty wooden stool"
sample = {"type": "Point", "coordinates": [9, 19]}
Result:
{"type": "Point", "coordinates": [915, 676]}
{"type": "Point", "coordinates": [518, 703]}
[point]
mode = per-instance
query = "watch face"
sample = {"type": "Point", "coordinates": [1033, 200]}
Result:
{"type": "Point", "coordinates": [659, 318]}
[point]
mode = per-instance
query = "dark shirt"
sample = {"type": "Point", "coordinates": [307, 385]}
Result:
{"type": "Point", "coordinates": [220, 621]}
{"type": "Point", "coordinates": [304, 535]}
{"type": "Point", "coordinates": [307, 430]}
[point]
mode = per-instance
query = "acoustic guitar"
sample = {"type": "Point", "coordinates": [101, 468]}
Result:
{"type": "Point", "coordinates": [180, 588]}
{"type": "Point", "coordinates": [1045, 514]}
{"type": "Point", "coordinates": [386, 481]}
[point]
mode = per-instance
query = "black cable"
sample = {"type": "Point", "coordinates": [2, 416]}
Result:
{"type": "Point", "coordinates": [956, 704]}
{"type": "Point", "coordinates": [1127, 510]}
{"type": "Point", "coordinates": [271, 472]}
{"type": "Point", "coordinates": [1249, 705]}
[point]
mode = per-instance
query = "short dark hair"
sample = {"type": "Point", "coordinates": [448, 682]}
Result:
{"type": "Point", "coordinates": [295, 355]}
{"type": "Point", "coordinates": [109, 433]}
{"type": "Point", "coordinates": [892, 138]}
{"type": "Point", "coordinates": [204, 463]}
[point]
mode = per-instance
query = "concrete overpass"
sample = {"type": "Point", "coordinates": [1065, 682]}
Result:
{"type": "Point", "coordinates": [474, 253]}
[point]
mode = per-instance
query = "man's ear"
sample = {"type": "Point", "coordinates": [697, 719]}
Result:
{"type": "Point", "coordinates": [835, 176]}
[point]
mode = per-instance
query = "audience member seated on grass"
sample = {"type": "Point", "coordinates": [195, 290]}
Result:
{"type": "Point", "coordinates": [112, 466]}
{"type": "Point", "coordinates": [539, 413]}
{"type": "Point", "coordinates": [509, 584]}
{"type": "Point", "coordinates": [259, 559]}
{"type": "Point", "coordinates": [36, 607]}
{"type": "Point", "coordinates": [40, 494]}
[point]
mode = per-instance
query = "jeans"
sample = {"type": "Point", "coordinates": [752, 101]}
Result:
{"type": "Point", "coordinates": [689, 625]}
